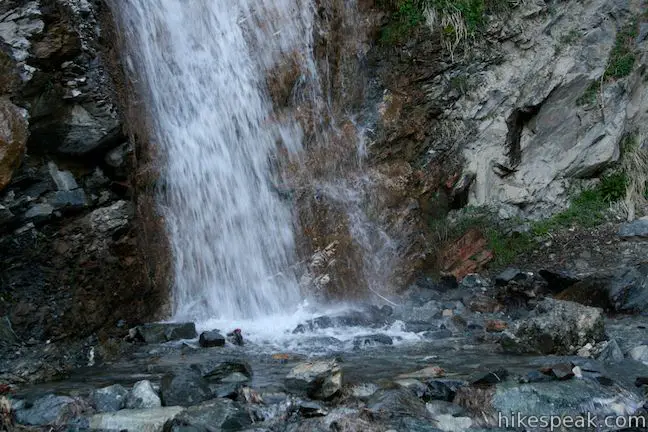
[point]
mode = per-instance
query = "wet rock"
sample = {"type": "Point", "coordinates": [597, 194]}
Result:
{"type": "Point", "coordinates": [46, 410]}
{"type": "Point", "coordinates": [441, 407]}
{"type": "Point", "coordinates": [640, 354]}
{"type": "Point", "coordinates": [437, 334]}
{"type": "Point", "coordinates": [491, 378]}
{"type": "Point", "coordinates": [400, 401]}
{"type": "Point", "coordinates": [13, 138]}
{"type": "Point", "coordinates": [450, 423]}
{"type": "Point", "coordinates": [184, 388]}
{"type": "Point", "coordinates": [143, 396]}
{"type": "Point", "coordinates": [535, 377]}
{"type": "Point", "coordinates": [443, 390]}
{"type": "Point", "coordinates": [164, 332]}
{"type": "Point", "coordinates": [611, 353]}
{"type": "Point", "coordinates": [634, 229]}
{"type": "Point", "coordinates": [560, 371]}
{"type": "Point", "coordinates": [149, 420]}
{"type": "Point", "coordinates": [215, 415]}
{"type": "Point", "coordinates": [363, 390]}
{"type": "Point", "coordinates": [108, 399]}
{"type": "Point", "coordinates": [641, 381]}
{"type": "Point", "coordinates": [425, 373]}
{"type": "Point", "coordinates": [235, 378]}
{"type": "Point", "coordinates": [413, 385]}
{"type": "Point", "coordinates": [217, 372]}
{"type": "Point", "coordinates": [311, 409]}
{"type": "Point", "coordinates": [235, 337]}
{"type": "Point", "coordinates": [556, 326]}
{"type": "Point", "coordinates": [318, 380]}
{"type": "Point", "coordinates": [372, 340]}
{"type": "Point", "coordinates": [64, 180]}
{"type": "Point", "coordinates": [211, 339]}
{"type": "Point", "coordinates": [564, 398]}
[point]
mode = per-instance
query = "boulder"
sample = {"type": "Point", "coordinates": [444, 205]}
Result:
{"type": "Point", "coordinates": [635, 229]}
{"type": "Point", "coordinates": [148, 420]}
{"type": "Point", "coordinates": [108, 399]}
{"type": "Point", "coordinates": [13, 138]}
{"type": "Point", "coordinates": [211, 339]}
{"type": "Point", "coordinates": [318, 379]}
{"type": "Point", "coordinates": [165, 332]}
{"type": "Point", "coordinates": [46, 410]}
{"type": "Point", "coordinates": [640, 354]}
{"type": "Point", "coordinates": [556, 326]}
{"type": "Point", "coordinates": [184, 388]}
{"type": "Point", "coordinates": [143, 396]}
{"type": "Point", "coordinates": [215, 415]}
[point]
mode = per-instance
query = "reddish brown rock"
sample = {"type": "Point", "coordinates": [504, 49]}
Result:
{"type": "Point", "coordinates": [466, 255]}
{"type": "Point", "coordinates": [496, 326]}
{"type": "Point", "coordinates": [484, 304]}
{"type": "Point", "coordinates": [13, 137]}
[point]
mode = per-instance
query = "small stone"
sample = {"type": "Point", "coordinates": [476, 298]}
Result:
{"type": "Point", "coordinates": [578, 373]}
{"type": "Point", "coordinates": [562, 371]}
{"type": "Point", "coordinates": [39, 212]}
{"type": "Point", "coordinates": [507, 276]}
{"type": "Point", "coordinates": [585, 351]}
{"type": "Point", "coordinates": [211, 339]}
{"type": "Point", "coordinates": [142, 395]}
{"type": "Point", "coordinates": [634, 229]}
{"type": "Point", "coordinates": [447, 313]}
{"type": "Point", "coordinates": [490, 378]}
{"type": "Point", "coordinates": [427, 372]}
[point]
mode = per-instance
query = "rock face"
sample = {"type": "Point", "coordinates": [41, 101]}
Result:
{"type": "Point", "coordinates": [556, 327]}
{"type": "Point", "coordinates": [13, 137]}
{"type": "Point", "coordinates": [318, 380]}
{"type": "Point", "coordinates": [543, 106]}
{"type": "Point", "coordinates": [69, 241]}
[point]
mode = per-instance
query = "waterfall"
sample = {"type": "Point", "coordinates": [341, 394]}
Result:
{"type": "Point", "coordinates": [202, 68]}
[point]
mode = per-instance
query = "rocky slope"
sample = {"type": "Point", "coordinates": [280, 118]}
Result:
{"type": "Point", "coordinates": [69, 244]}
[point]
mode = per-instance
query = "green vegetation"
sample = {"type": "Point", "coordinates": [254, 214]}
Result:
{"type": "Point", "coordinates": [587, 209]}
{"type": "Point", "coordinates": [622, 58]}
{"type": "Point", "coordinates": [454, 18]}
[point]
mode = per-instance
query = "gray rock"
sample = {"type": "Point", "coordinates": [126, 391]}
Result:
{"type": "Point", "coordinates": [235, 377]}
{"type": "Point", "coordinates": [372, 340]}
{"type": "Point", "coordinates": [640, 354]}
{"type": "Point", "coordinates": [164, 332]}
{"type": "Point", "coordinates": [364, 390]}
{"type": "Point", "coordinates": [401, 402]}
{"type": "Point", "coordinates": [117, 157]}
{"type": "Point", "coordinates": [44, 411]}
{"type": "Point", "coordinates": [184, 388]}
{"type": "Point", "coordinates": [143, 396]}
{"type": "Point", "coordinates": [5, 215]}
{"type": "Point", "coordinates": [611, 353]}
{"type": "Point", "coordinates": [7, 335]}
{"type": "Point", "coordinates": [108, 399]}
{"type": "Point", "coordinates": [216, 415]}
{"type": "Point", "coordinates": [87, 127]}
{"type": "Point", "coordinates": [507, 276]}
{"type": "Point", "coordinates": [556, 326]}
{"type": "Point", "coordinates": [643, 34]}
{"type": "Point", "coordinates": [217, 372]}
{"type": "Point", "coordinates": [64, 180]}
{"type": "Point", "coordinates": [318, 379]}
{"type": "Point", "coordinates": [211, 339]}
{"type": "Point", "coordinates": [634, 229]}
{"type": "Point", "coordinates": [441, 407]}
{"type": "Point", "coordinates": [39, 212]}
{"type": "Point", "coordinates": [110, 219]}
{"type": "Point", "coordinates": [145, 420]}
{"type": "Point", "coordinates": [311, 409]}
{"type": "Point", "coordinates": [572, 397]}
{"type": "Point", "coordinates": [73, 199]}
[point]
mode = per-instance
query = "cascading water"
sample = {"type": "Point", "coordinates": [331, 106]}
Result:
{"type": "Point", "coordinates": [203, 66]}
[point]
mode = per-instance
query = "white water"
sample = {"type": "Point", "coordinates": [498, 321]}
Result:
{"type": "Point", "coordinates": [202, 66]}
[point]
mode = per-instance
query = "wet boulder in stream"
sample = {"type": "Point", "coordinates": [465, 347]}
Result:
{"type": "Point", "coordinates": [211, 339]}
{"type": "Point", "coordinates": [318, 379]}
{"type": "Point", "coordinates": [184, 388]}
{"type": "Point", "coordinates": [164, 332]}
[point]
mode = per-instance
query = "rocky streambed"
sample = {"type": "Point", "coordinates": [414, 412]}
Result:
{"type": "Point", "coordinates": [451, 357]}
